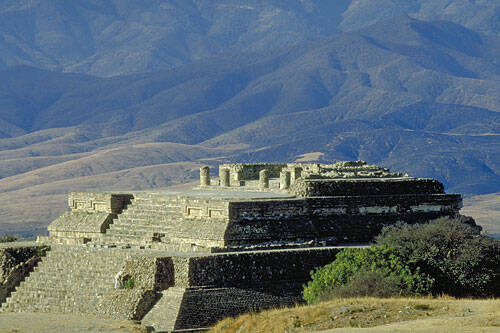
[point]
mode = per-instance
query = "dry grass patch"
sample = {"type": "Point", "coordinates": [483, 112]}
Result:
{"type": "Point", "coordinates": [359, 313]}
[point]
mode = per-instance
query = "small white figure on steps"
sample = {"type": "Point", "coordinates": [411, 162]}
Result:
{"type": "Point", "coordinates": [118, 280]}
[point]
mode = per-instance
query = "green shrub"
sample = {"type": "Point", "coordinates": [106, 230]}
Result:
{"type": "Point", "coordinates": [451, 251]}
{"type": "Point", "coordinates": [353, 265]}
{"type": "Point", "coordinates": [367, 283]}
{"type": "Point", "coordinates": [8, 238]}
{"type": "Point", "coordinates": [128, 283]}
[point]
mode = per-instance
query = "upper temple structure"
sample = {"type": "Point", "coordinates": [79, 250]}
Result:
{"type": "Point", "coordinates": [247, 238]}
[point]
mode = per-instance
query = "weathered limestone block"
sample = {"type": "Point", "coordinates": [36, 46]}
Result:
{"type": "Point", "coordinates": [149, 275]}
{"type": "Point", "coordinates": [284, 180]}
{"type": "Point", "coordinates": [205, 176]}
{"type": "Point", "coordinates": [209, 288]}
{"type": "Point", "coordinates": [263, 179]}
{"type": "Point", "coordinates": [250, 171]}
{"type": "Point", "coordinates": [225, 179]}
{"type": "Point", "coordinates": [78, 227]}
{"type": "Point", "coordinates": [130, 304]}
{"type": "Point", "coordinates": [365, 187]}
{"type": "Point", "coordinates": [16, 262]}
{"type": "Point", "coordinates": [111, 203]}
{"type": "Point", "coordinates": [91, 215]}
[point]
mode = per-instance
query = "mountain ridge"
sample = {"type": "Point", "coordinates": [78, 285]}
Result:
{"type": "Point", "coordinates": [413, 95]}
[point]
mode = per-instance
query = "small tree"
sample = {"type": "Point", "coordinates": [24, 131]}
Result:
{"type": "Point", "coordinates": [451, 251]}
{"type": "Point", "coordinates": [379, 264]}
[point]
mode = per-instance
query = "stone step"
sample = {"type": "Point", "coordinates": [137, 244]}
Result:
{"type": "Point", "coordinates": [143, 226]}
{"type": "Point", "coordinates": [34, 295]}
{"type": "Point", "coordinates": [142, 223]}
{"type": "Point", "coordinates": [95, 271]}
{"type": "Point", "coordinates": [149, 208]}
{"type": "Point", "coordinates": [155, 221]}
{"type": "Point", "coordinates": [126, 238]}
{"type": "Point", "coordinates": [33, 292]}
{"type": "Point", "coordinates": [95, 255]}
{"type": "Point", "coordinates": [51, 308]}
{"type": "Point", "coordinates": [50, 304]}
{"type": "Point", "coordinates": [146, 234]}
{"type": "Point", "coordinates": [69, 279]}
{"type": "Point", "coordinates": [72, 264]}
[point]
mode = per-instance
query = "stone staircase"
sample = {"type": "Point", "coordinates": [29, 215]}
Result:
{"type": "Point", "coordinates": [70, 279]}
{"type": "Point", "coordinates": [163, 315]}
{"type": "Point", "coordinates": [145, 221]}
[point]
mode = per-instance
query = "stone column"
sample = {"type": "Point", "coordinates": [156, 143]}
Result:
{"type": "Point", "coordinates": [284, 180]}
{"type": "Point", "coordinates": [224, 178]}
{"type": "Point", "coordinates": [263, 179]}
{"type": "Point", "coordinates": [205, 176]}
{"type": "Point", "coordinates": [294, 174]}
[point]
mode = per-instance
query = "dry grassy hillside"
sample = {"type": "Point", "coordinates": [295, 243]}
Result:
{"type": "Point", "coordinates": [486, 211]}
{"type": "Point", "coordinates": [373, 315]}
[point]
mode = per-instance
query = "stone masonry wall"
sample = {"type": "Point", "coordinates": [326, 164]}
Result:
{"type": "Point", "coordinates": [255, 269]}
{"type": "Point", "coordinates": [90, 215]}
{"type": "Point", "coordinates": [209, 288]}
{"type": "Point", "coordinates": [331, 220]}
{"type": "Point", "coordinates": [250, 171]}
{"type": "Point", "coordinates": [183, 221]}
{"type": "Point", "coordinates": [111, 203]}
{"type": "Point", "coordinates": [358, 187]}
{"type": "Point", "coordinates": [16, 262]}
{"type": "Point", "coordinates": [150, 275]}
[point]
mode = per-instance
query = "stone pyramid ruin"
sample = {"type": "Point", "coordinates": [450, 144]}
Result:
{"type": "Point", "coordinates": [246, 240]}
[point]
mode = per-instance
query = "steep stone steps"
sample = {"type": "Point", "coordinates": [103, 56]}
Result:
{"type": "Point", "coordinates": [69, 279]}
{"type": "Point", "coordinates": [145, 217]}
{"type": "Point", "coordinates": [163, 315]}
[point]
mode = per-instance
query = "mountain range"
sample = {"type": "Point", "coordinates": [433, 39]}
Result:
{"type": "Point", "coordinates": [127, 95]}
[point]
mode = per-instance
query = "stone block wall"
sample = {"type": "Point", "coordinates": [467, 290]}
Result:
{"type": "Point", "coordinates": [331, 220]}
{"type": "Point", "coordinates": [78, 227]}
{"type": "Point", "coordinates": [363, 187]}
{"type": "Point", "coordinates": [183, 221]}
{"type": "Point", "coordinates": [150, 274]}
{"type": "Point", "coordinates": [250, 171]}
{"type": "Point", "coordinates": [16, 262]}
{"type": "Point", "coordinates": [255, 269]}
{"type": "Point", "coordinates": [202, 308]}
{"type": "Point", "coordinates": [209, 288]}
{"type": "Point", "coordinates": [111, 203]}
{"type": "Point", "coordinates": [89, 216]}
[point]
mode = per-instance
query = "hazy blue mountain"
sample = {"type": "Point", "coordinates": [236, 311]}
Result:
{"type": "Point", "coordinates": [135, 95]}
{"type": "Point", "coordinates": [114, 37]}
{"type": "Point", "coordinates": [398, 93]}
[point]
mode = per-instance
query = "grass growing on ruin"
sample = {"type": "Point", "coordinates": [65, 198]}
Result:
{"type": "Point", "coordinates": [129, 283]}
{"type": "Point", "coordinates": [369, 312]}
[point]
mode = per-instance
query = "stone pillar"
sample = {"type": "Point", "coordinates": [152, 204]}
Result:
{"type": "Point", "coordinates": [205, 176]}
{"type": "Point", "coordinates": [284, 180]}
{"type": "Point", "coordinates": [294, 174]}
{"type": "Point", "coordinates": [237, 176]}
{"type": "Point", "coordinates": [263, 179]}
{"type": "Point", "coordinates": [224, 178]}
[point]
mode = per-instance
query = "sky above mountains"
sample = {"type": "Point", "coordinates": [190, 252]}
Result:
{"type": "Point", "coordinates": [124, 94]}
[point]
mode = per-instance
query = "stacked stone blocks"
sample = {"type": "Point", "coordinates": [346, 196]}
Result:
{"type": "Point", "coordinates": [247, 240]}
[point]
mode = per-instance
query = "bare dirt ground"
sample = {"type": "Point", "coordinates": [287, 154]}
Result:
{"type": "Point", "coordinates": [49, 322]}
